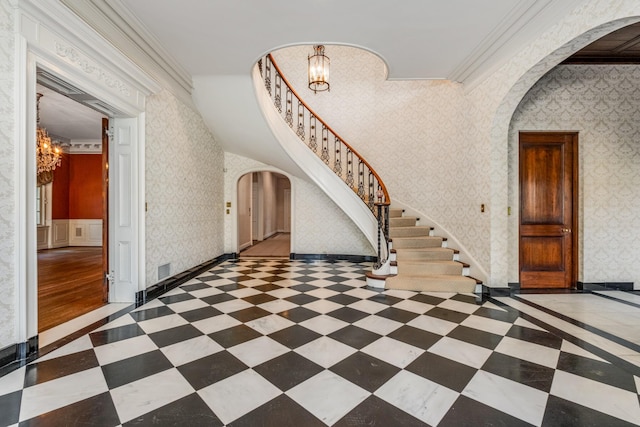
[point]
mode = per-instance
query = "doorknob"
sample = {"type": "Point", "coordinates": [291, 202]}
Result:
{"type": "Point", "coordinates": [566, 230]}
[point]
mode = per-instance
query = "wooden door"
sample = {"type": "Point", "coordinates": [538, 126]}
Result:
{"type": "Point", "coordinates": [105, 210]}
{"type": "Point", "coordinates": [548, 209]}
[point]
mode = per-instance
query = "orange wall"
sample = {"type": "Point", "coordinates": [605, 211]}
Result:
{"type": "Point", "coordinates": [77, 191]}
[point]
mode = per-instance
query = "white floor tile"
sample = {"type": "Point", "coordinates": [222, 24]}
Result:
{"type": "Point", "coordinates": [510, 397]}
{"type": "Point", "coordinates": [278, 306]}
{"type": "Point", "coordinates": [283, 293]}
{"type": "Point", "coordinates": [362, 293]}
{"type": "Point", "coordinates": [207, 292]}
{"type": "Point", "coordinates": [460, 306]}
{"type": "Point", "coordinates": [413, 306]}
{"type": "Point", "coordinates": [488, 325]}
{"type": "Point", "coordinates": [595, 395]}
{"type": "Point", "coordinates": [324, 324]}
{"type": "Point", "coordinates": [377, 324]}
{"type": "Point", "coordinates": [47, 396]}
{"type": "Point", "coordinates": [190, 350]}
{"type": "Point", "coordinates": [433, 324]}
{"type": "Point", "coordinates": [398, 293]}
{"type": "Point", "coordinates": [323, 306]}
{"type": "Point", "coordinates": [80, 344]}
{"type": "Point", "coordinates": [526, 324]}
{"type": "Point", "coordinates": [232, 305]}
{"type": "Point", "coordinates": [322, 293]}
{"type": "Point", "coordinates": [366, 306]}
{"type": "Point", "coordinates": [574, 349]}
{"type": "Point", "coordinates": [216, 323]}
{"type": "Point", "coordinates": [162, 323]}
{"type": "Point", "coordinates": [235, 396]}
{"type": "Point", "coordinates": [139, 397]}
{"type": "Point", "coordinates": [123, 349]}
{"type": "Point", "coordinates": [257, 351]}
{"type": "Point", "coordinates": [460, 351]}
{"type": "Point", "coordinates": [269, 324]}
{"type": "Point", "coordinates": [244, 292]}
{"type": "Point", "coordinates": [529, 351]}
{"type": "Point", "coordinates": [192, 304]}
{"type": "Point", "coordinates": [325, 351]}
{"type": "Point", "coordinates": [418, 396]}
{"type": "Point", "coordinates": [328, 396]}
{"type": "Point", "coordinates": [392, 351]}
{"type": "Point", "coordinates": [13, 381]}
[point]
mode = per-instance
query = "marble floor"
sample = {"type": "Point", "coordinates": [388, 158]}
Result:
{"type": "Point", "coordinates": [295, 343]}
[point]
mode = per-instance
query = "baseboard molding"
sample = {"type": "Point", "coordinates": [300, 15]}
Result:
{"type": "Point", "coordinates": [16, 355]}
{"type": "Point", "coordinates": [602, 286]}
{"type": "Point", "coordinates": [154, 291]}
{"type": "Point", "coordinates": [333, 257]}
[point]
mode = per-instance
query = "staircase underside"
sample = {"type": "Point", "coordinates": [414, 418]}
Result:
{"type": "Point", "coordinates": [421, 261]}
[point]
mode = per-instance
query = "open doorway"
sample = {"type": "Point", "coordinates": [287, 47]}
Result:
{"type": "Point", "coordinates": [264, 215]}
{"type": "Point", "coordinates": [71, 209]}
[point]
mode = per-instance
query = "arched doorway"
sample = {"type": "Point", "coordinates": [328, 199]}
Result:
{"type": "Point", "coordinates": [264, 215]}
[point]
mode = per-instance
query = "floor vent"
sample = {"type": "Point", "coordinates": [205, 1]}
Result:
{"type": "Point", "coordinates": [164, 271]}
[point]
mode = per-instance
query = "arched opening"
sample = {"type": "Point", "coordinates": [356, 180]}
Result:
{"type": "Point", "coordinates": [264, 215]}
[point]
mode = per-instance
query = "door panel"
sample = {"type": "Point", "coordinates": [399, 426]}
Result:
{"type": "Point", "coordinates": [548, 209]}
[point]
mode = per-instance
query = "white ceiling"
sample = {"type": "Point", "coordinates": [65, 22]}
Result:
{"type": "Point", "coordinates": [453, 39]}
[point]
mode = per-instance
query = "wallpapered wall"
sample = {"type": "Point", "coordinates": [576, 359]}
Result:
{"type": "Point", "coordinates": [319, 224]}
{"type": "Point", "coordinates": [8, 225]}
{"type": "Point", "coordinates": [184, 188]}
{"type": "Point", "coordinates": [602, 102]}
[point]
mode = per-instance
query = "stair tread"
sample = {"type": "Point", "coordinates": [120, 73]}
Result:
{"type": "Point", "coordinates": [406, 227]}
{"type": "Point", "coordinates": [449, 277]}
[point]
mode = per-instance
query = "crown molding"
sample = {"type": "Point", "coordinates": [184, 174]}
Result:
{"type": "Point", "coordinates": [113, 21]}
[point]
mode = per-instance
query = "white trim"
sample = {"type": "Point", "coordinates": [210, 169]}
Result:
{"type": "Point", "coordinates": [59, 233]}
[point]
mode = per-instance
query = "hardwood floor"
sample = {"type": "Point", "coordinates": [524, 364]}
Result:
{"type": "Point", "coordinates": [69, 284]}
{"type": "Point", "coordinates": [278, 245]}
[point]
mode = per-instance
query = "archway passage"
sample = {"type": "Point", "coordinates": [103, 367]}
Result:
{"type": "Point", "coordinates": [264, 215]}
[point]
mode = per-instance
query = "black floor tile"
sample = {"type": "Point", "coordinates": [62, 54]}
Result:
{"type": "Point", "coordinates": [443, 371]}
{"type": "Point", "coordinates": [95, 411]}
{"type": "Point", "coordinates": [200, 314]}
{"type": "Point", "coordinates": [120, 333]}
{"type": "Point", "coordinates": [341, 288]}
{"type": "Point", "coordinates": [466, 412]}
{"type": "Point", "coordinates": [343, 299]}
{"type": "Point", "coordinates": [211, 369]}
{"type": "Point", "coordinates": [234, 335]}
{"type": "Point", "coordinates": [374, 411]}
{"type": "Point", "coordinates": [10, 408]}
{"type": "Point", "coordinates": [348, 314]}
{"type": "Point", "coordinates": [446, 314]}
{"type": "Point", "coordinates": [217, 299]}
{"type": "Point", "coordinates": [174, 335]}
{"type": "Point", "coordinates": [231, 287]}
{"type": "Point", "coordinates": [294, 336]}
{"type": "Point", "coordinates": [560, 412]}
{"type": "Point", "coordinates": [272, 279]}
{"type": "Point", "coordinates": [414, 336]}
{"type": "Point", "coordinates": [397, 314]}
{"type": "Point", "coordinates": [195, 287]}
{"type": "Point", "coordinates": [189, 411]}
{"type": "Point", "coordinates": [299, 314]}
{"type": "Point", "coordinates": [39, 372]}
{"type": "Point", "coordinates": [535, 336]}
{"type": "Point", "coordinates": [303, 287]}
{"type": "Point", "coordinates": [267, 287]}
{"type": "Point", "coordinates": [301, 299]}
{"type": "Point", "coordinates": [354, 336]}
{"type": "Point", "coordinates": [475, 336]}
{"type": "Point", "coordinates": [385, 299]}
{"type": "Point", "coordinates": [597, 371]}
{"type": "Point", "coordinates": [427, 299]}
{"type": "Point", "coordinates": [251, 313]}
{"type": "Point", "coordinates": [366, 371]}
{"type": "Point", "coordinates": [521, 371]}
{"type": "Point", "coordinates": [176, 298]}
{"type": "Point", "coordinates": [279, 412]}
{"type": "Point", "coordinates": [469, 299]}
{"type": "Point", "coordinates": [151, 313]}
{"type": "Point", "coordinates": [259, 299]}
{"type": "Point", "coordinates": [288, 370]}
{"type": "Point", "coordinates": [492, 313]}
{"type": "Point", "coordinates": [134, 368]}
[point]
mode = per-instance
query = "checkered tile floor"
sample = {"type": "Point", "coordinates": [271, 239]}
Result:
{"type": "Point", "coordinates": [293, 343]}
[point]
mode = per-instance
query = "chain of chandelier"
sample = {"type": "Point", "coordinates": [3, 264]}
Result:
{"type": "Point", "coordinates": [48, 152]}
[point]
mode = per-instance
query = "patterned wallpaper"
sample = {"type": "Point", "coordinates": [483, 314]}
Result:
{"type": "Point", "coordinates": [7, 178]}
{"type": "Point", "coordinates": [319, 225]}
{"type": "Point", "coordinates": [602, 103]}
{"type": "Point", "coordinates": [184, 188]}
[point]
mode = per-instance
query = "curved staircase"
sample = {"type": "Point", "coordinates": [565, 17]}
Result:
{"type": "Point", "coordinates": [421, 261]}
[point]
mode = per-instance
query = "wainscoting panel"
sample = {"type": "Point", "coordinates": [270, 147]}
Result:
{"type": "Point", "coordinates": [43, 234]}
{"type": "Point", "coordinates": [59, 233]}
{"type": "Point", "coordinates": [85, 232]}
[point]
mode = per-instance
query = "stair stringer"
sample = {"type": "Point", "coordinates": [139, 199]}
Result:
{"type": "Point", "coordinates": [319, 173]}
{"type": "Point", "coordinates": [475, 270]}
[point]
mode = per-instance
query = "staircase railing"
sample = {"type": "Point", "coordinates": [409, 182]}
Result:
{"type": "Point", "coordinates": [338, 155]}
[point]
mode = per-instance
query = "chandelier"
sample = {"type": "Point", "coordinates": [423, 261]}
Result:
{"type": "Point", "coordinates": [48, 153]}
{"type": "Point", "coordinates": [318, 70]}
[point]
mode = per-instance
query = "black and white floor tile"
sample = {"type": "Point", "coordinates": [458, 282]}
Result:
{"type": "Point", "coordinates": [294, 343]}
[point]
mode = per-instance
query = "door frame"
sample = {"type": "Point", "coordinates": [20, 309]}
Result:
{"type": "Point", "coordinates": [574, 230]}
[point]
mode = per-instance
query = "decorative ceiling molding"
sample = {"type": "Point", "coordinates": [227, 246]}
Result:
{"type": "Point", "coordinates": [113, 21]}
{"type": "Point", "coordinates": [84, 147]}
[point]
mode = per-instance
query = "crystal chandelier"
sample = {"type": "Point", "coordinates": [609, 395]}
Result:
{"type": "Point", "coordinates": [48, 153]}
{"type": "Point", "coordinates": [318, 70]}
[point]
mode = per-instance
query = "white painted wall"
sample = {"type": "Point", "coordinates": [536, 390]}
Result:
{"type": "Point", "coordinates": [602, 103]}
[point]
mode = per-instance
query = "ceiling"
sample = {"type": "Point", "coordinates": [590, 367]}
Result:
{"type": "Point", "coordinates": [621, 46]}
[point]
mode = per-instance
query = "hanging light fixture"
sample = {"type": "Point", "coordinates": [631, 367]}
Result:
{"type": "Point", "coordinates": [48, 153]}
{"type": "Point", "coordinates": [318, 70]}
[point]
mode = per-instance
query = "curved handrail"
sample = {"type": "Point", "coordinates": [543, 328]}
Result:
{"type": "Point", "coordinates": [307, 121]}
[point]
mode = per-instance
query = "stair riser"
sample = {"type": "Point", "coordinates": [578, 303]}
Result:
{"type": "Point", "coordinates": [427, 268]}
{"type": "Point", "coordinates": [426, 256]}
{"type": "Point", "coordinates": [409, 232]}
{"type": "Point", "coordinates": [402, 222]}
{"type": "Point", "coordinates": [430, 284]}
{"type": "Point", "coordinates": [395, 213]}
{"type": "Point", "coordinates": [424, 242]}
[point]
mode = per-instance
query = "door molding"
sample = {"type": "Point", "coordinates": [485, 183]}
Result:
{"type": "Point", "coordinates": [77, 55]}
{"type": "Point", "coordinates": [553, 231]}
